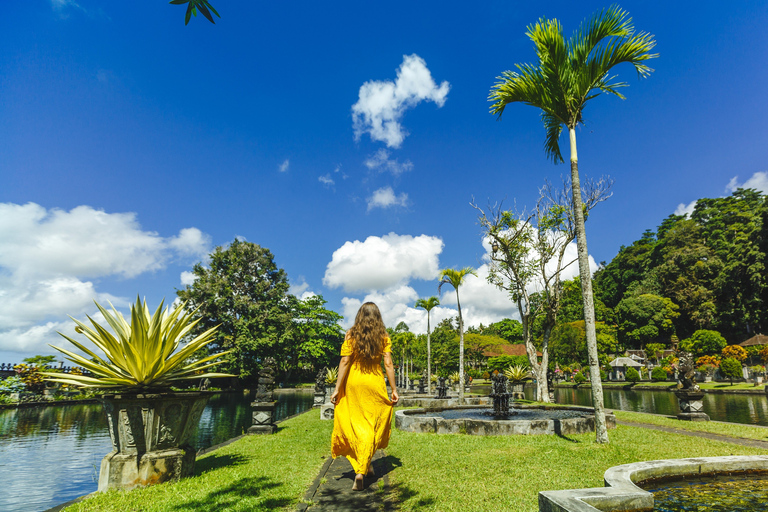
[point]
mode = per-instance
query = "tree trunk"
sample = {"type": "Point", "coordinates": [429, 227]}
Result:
{"type": "Point", "coordinates": [429, 360]}
{"type": "Point", "coordinates": [601, 431]}
{"type": "Point", "coordinates": [461, 351]}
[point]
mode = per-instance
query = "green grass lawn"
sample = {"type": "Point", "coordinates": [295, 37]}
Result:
{"type": "Point", "coordinates": [724, 429]}
{"type": "Point", "coordinates": [430, 472]}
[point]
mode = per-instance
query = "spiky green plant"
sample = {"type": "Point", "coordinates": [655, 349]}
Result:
{"type": "Point", "coordinates": [455, 377]}
{"type": "Point", "coordinates": [518, 373]}
{"type": "Point", "coordinates": [331, 375]}
{"type": "Point", "coordinates": [142, 355]}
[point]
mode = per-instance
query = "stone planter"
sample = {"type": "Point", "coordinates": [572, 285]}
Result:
{"type": "Point", "coordinates": [150, 435]}
{"type": "Point", "coordinates": [691, 407]}
{"type": "Point", "coordinates": [518, 391]}
{"type": "Point", "coordinates": [759, 379]}
{"type": "Point", "coordinates": [708, 378]}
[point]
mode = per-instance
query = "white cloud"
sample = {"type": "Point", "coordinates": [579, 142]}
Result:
{"type": "Point", "coordinates": [381, 104]}
{"type": "Point", "coordinates": [188, 278]}
{"type": "Point", "coordinates": [385, 198]}
{"type": "Point", "coordinates": [284, 166]}
{"type": "Point", "coordinates": [326, 180]}
{"type": "Point", "coordinates": [758, 181]}
{"type": "Point", "coordinates": [301, 289]}
{"type": "Point", "coordinates": [380, 263]}
{"type": "Point", "coordinates": [48, 259]}
{"type": "Point", "coordinates": [686, 209]}
{"type": "Point", "coordinates": [380, 160]}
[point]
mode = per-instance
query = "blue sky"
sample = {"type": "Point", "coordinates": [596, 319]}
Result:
{"type": "Point", "coordinates": [132, 145]}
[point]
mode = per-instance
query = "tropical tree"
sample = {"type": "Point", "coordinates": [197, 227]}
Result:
{"type": "Point", "coordinates": [569, 74]}
{"type": "Point", "coordinates": [455, 278]}
{"type": "Point", "coordinates": [428, 305]}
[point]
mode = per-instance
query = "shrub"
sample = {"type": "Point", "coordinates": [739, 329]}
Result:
{"type": "Point", "coordinates": [713, 361]}
{"type": "Point", "coordinates": [764, 354]}
{"type": "Point", "coordinates": [703, 342]}
{"type": "Point", "coordinates": [658, 374]}
{"type": "Point", "coordinates": [30, 376]}
{"type": "Point", "coordinates": [486, 375]}
{"type": "Point", "coordinates": [579, 378]}
{"type": "Point", "coordinates": [735, 351]}
{"type": "Point", "coordinates": [603, 375]}
{"type": "Point", "coordinates": [731, 368]}
{"type": "Point", "coordinates": [633, 375]}
{"type": "Point", "coordinates": [12, 384]}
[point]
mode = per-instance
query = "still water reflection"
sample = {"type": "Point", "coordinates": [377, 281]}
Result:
{"type": "Point", "coordinates": [50, 455]}
{"type": "Point", "coordinates": [749, 409]}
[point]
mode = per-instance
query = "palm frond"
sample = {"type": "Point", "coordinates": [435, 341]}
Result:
{"type": "Point", "coordinates": [554, 128]}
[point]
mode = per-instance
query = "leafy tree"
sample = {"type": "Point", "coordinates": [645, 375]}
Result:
{"type": "Point", "coordinates": [632, 375]}
{"type": "Point", "coordinates": [658, 374]}
{"type": "Point", "coordinates": [501, 363]}
{"type": "Point", "coordinates": [646, 318]}
{"type": "Point", "coordinates": [731, 368]}
{"type": "Point", "coordinates": [569, 74]}
{"type": "Point", "coordinates": [455, 278]}
{"type": "Point", "coordinates": [476, 345]}
{"type": "Point", "coordinates": [244, 292]}
{"type": "Point", "coordinates": [735, 351]}
{"type": "Point", "coordinates": [704, 342]}
{"type": "Point", "coordinates": [579, 378]}
{"type": "Point", "coordinates": [428, 305]}
{"type": "Point", "coordinates": [316, 336]}
{"type": "Point", "coordinates": [445, 346]}
{"type": "Point", "coordinates": [193, 6]}
{"type": "Point", "coordinates": [568, 342]}
{"type": "Point", "coordinates": [629, 266]}
{"type": "Point", "coordinates": [655, 351]}
{"type": "Point", "coordinates": [40, 361]}
{"type": "Point", "coordinates": [508, 328]}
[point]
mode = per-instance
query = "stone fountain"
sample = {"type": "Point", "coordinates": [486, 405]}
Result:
{"type": "Point", "coordinates": [442, 388]}
{"type": "Point", "coordinates": [689, 395]}
{"type": "Point", "coordinates": [499, 395]}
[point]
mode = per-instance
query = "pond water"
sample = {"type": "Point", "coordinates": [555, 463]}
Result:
{"type": "Point", "coordinates": [749, 409]}
{"type": "Point", "coordinates": [718, 494]}
{"type": "Point", "coordinates": [62, 446]}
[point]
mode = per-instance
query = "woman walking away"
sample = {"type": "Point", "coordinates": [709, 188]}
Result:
{"type": "Point", "coordinates": [363, 413]}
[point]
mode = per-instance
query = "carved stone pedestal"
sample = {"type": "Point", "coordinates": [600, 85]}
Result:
{"type": "Point", "coordinates": [691, 406]}
{"type": "Point", "coordinates": [326, 411]}
{"type": "Point", "coordinates": [150, 435]}
{"type": "Point", "coordinates": [263, 418]}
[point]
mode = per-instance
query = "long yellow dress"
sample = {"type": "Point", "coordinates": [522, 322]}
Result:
{"type": "Point", "coordinates": [362, 418]}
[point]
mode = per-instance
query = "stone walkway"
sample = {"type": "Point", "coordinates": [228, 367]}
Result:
{"type": "Point", "coordinates": [332, 489]}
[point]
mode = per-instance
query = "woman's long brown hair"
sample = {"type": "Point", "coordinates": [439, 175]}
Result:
{"type": "Point", "coordinates": [368, 332]}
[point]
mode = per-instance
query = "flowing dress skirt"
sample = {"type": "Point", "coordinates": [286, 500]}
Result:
{"type": "Point", "coordinates": [362, 417]}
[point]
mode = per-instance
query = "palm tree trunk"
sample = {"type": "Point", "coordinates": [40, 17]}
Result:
{"type": "Point", "coordinates": [601, 430]}
{"type": "Point", "coordinates": [429, 360]}
{"type": "Point", "coordinates": [461, 351]}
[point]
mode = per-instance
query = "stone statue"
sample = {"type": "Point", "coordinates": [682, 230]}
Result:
{"type": "Point", "coordinates": [320, 380]}
{"type": "Point", "coordinates": [263, 406]}
{"type": "Point", "coordinates": [205, 384]}
{"type": "Point", "coordinates": [266, 381]}
{"type": "Point", "coordinates": [686, 373]}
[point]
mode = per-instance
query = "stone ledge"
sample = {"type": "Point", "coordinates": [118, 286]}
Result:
{"type": "Point", "coordinates": [622, 492]}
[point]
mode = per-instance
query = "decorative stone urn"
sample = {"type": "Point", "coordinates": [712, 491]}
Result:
{"type": "Point", "coordinates": [150, 435]}
{"type": "Point", "coordinates": [691, 406]}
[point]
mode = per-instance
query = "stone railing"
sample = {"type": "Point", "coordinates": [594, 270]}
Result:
{"type": "Point", "coordinates": [6, 369]}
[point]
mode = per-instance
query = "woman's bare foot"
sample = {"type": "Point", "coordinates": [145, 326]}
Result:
{"type": "Point", "coordinates": [358, 485]}
{"type": "Point", "coordinates": [370, 472]}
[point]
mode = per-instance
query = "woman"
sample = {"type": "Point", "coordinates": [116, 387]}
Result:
{"type": "Point", "coordinates": [363, 412]}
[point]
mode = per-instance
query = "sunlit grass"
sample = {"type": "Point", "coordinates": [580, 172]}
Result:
{"type": "Point", "coordinates": [724, 429]}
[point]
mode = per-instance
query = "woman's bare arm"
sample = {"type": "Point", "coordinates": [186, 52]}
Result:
{"type": "Point", "coordinates": [390, 368]}
{"type": "Point", "coordinates": [341, 379]}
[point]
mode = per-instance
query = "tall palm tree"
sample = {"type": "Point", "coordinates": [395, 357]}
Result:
{"type": "Point", "coordinates": [455, 278]}
{"type": "Point", "coordinates": [428, 304]}
{"type": "Point", "coordinates": [569, 74]}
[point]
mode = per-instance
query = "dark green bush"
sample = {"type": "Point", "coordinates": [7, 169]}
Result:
{"type": "Point", "coordinates": [658, 374]}
{"type": "Point", "coordinates": [633, 375]}
{"type": "Point", "coordinates": [579, 378]}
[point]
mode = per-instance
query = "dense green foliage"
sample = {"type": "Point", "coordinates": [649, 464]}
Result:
{"type": "Point", "coordinates": [704, 342]}
{"type": "Point", "coordinates": [658, 374]}
{"type": "Point", "coordinates": [708, 268]}
{"type": "Point", "coordinates": [632, 375]}
{"type": "Point", "coordinates": [731, 368]}
{"type": "Point", "coordinates": [244, 292]}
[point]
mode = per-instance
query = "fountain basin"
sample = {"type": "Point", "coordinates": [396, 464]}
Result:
{"type": "Point", "coordinates": [546, 420]}
{"type": "Point", "coordinates": [431, 402]}
{"type": "Point", "coordinates": [623, 491]}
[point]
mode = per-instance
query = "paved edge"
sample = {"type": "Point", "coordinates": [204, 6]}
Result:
{"type": "Point", "coordinates": [752, 443]}
{"type": "Point", "coordinates": [307, 500]}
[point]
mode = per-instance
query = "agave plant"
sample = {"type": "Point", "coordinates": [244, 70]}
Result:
{"type": "Point", "coordinates": [142, 355]}
{"type": "Point", "coordinates": [454, 377]}
{"type": "Point", "coordinates": [517, 373]}
{"type": "Point", "coordinates": [331, 375]}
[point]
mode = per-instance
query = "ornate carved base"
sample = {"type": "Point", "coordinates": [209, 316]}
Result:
{"type": "Point", "coordinates": [127, 471]}
{"type": "Point", "coordinates": [691, 406]}
{"type": "Point", "coordinates": [319, 400]}
{"type": "Point", "coordinates": [263, 414]}
{"type": "Point", "coordinates": [326, 412]}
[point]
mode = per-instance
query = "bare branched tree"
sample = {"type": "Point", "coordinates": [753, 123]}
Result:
{"type": "Point", "coordinates": [528, 258]}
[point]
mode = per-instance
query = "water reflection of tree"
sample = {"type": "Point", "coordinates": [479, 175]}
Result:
{"type": "Point", "coordinates": [82, 420]}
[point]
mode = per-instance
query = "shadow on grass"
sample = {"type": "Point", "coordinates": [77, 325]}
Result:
{"type": "Point", "coordinates": [400, 493]}
{"type": "Point", "coordinates": [219, 461]}
{"type": "Point", "coordinates": [227, 498]}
